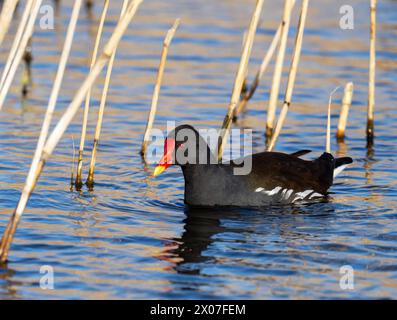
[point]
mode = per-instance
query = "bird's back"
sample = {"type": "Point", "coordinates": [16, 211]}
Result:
{"type": "Point", "coordinates": [274, 178]}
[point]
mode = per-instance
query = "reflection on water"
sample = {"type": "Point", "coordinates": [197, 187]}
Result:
{"type": "Point", "coordinates": [131, 236]}
{"type": "Point", "coordinates": [199, 232]}
{"type": "Point", "coordinates": [202, 226]}
{"type": "Point", "coordinates": [6, 277]}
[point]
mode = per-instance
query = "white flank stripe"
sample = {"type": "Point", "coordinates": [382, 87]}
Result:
{"type": "Point", "coordinates": [302, 195]}
{"type": "Point", "coordinates": [268, 192]}
{"type": "Point", "coordinates": [288, 194]}
{"type": "Point", "coordinates": [273, 192]}
{"type": "Point", "coordinates": [306, 193]}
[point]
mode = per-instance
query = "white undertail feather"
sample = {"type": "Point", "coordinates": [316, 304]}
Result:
{"type": "Point", "coordinates": [339, 169]}
{"type": "Point", "coordinates": [316, 195]}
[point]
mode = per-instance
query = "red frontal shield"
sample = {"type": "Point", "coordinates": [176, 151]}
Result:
{"type": "Point", "coordinates": [166, 160]}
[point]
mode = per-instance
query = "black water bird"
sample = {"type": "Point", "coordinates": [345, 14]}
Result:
{"type": "Point", "coordinates": [274, 177]}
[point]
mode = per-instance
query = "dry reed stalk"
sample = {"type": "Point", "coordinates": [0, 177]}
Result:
{"type": "Point", "coordinates": [65, 120]}
{"type": "Point", "coordinates": [89, 4]}
{"type": "Point", "coordinates": [244, 87]}
{"type": "Point", "coordinates": [328, 135]}
{"type": "Point", "coordinates": [6, 16]}
{"type": "Point", "coordinates": [34, 168]}
{"type": "Point", "coordinates": [156, 91]}
{"type": "Point", "coordinates": [79, 182]}
{"type": "Point", "coordinates": [27, 73]}
{"type": "Point", "coordinates": [17, 40]}
{"type": "Point", "coordinates": [73, 162]}
{"type": "Point", "coordinates": [90, 179]}
{"type": "Point", "coordinates": [292, 74]}
{"type": "Point", "coordinates": [344, 112]}
{"type": "Point", "coordinates": [265, 62]}
{"type": "Point", "coordinates": [371, 80]}
{"type": "Point", "coordinates": [20, 51]}
{"type": "Point", "coordinates": [54, 94]}
{"type": "Point", "coordinates": [240, 77]}
{"type": "Point", "coordinates": [278, 69]}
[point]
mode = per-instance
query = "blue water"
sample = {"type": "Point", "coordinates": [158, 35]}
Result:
{"type": "Point", "coordinates": [132, 237]}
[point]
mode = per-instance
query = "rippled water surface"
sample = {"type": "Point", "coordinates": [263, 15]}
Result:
{"type": "Point", "coordinates": [132, 237]}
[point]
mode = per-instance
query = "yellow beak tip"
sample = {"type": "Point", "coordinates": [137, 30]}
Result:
{"type": "Point", "coordinates": [158, 170]}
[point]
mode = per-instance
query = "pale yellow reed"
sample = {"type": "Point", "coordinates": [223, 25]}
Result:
{"type": "Point", "coordinates": [292, 74]}
{"type": "Point", "coordinates": [90, 179]}
{"type": "Point", "coordinates": [88, 97]}
{"type": "Point", "coordinates": [258, 77]}
{"type": "Point", "coordinates": [240, 77]}
{"type": "Point", "coordinates": [156, 92]}
{"type": "Point", "coordinates": [22, 37]}
{"type": "Point", "coordinates": [66, 118]}
{"type": "Point", "coordinates": [372, 68]}
{"type": "Point", "coordinates": [278, 68]}
{"type": "Point", "coordinates": [344, 112]}
{"type": "Point", "coordinates": [6, 16]}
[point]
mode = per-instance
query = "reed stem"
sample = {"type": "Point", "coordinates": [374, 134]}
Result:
{"type": "Point", "coordinates": [292, 74]}
{"type": "Point", "coordinates": [27, 74]}
{"type": "Point", "coordinates": [371, 80]}
{"type": "Point", "coordinates": [240, 77]}
{"type": "Point", "coordinates": [89, 4]}
{"type": "Point", "coordinates": [278, 69]}
{"type": "Point", "coordinates": [17, 41]}
{"type": "Point", "coordinates": [65, 120]}
{"type": "Point", "coordinates": [73, 163]}
{"type": "Point", "coordinates": [79, 182]}
{"type": "Point", "coordinates": [90, 179]}
{"type": "Point", "coordinates": [344, 112]}
{"type": "Point", "coordinates": [328, 132]}
{"type": "Point", "coordinates": [156, 92]}
{"type": "Point", "coordinates": [244, 87]}
{"type": "Point", "coordinates": [258, 77]}
{"type": "Point", "coordinates": [6, 16]}
{"type": "Point", "coordinates": [33, 172]}
{"type": "Point", "coordinates": [20, 51]}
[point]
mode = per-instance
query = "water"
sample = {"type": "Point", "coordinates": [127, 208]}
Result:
{"type": "Point", "coordinates": [132, 237]}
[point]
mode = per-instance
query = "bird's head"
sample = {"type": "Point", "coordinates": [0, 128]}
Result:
{"type": "Point", "coordinates": [182, 146]}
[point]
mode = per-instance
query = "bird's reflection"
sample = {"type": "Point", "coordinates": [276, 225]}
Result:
{"type": "Point", "coordinates": [202, 225]}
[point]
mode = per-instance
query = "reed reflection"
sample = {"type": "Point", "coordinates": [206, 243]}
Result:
{"type": "Point", "coordinates": [7, 284]}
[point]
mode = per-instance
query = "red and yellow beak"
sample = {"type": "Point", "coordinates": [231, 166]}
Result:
{"type": "Point", "coordinates": [166, 160]}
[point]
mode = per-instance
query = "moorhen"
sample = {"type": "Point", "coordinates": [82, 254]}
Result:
{"type": "Point", "coordinates": [274, 178]}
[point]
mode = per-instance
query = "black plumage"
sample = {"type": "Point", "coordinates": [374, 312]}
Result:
{"type": "Point", "coordinates": [275, 177]}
